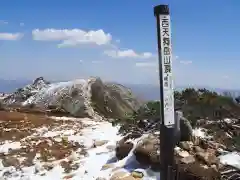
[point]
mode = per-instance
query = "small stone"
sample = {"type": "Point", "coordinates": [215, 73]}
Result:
{"type": "Point", "coordinates": [107, 166]}
{"type": "Point", "coordinates": [75, 166]}
{"type": "Point", "coordinates": [84, 152]}
{"type": "Point", "coordinates": [208, 158]}
{"type": "Point", "coordinates": [203, 144]}
{"type": "Point", "coordinates": [48, 166]}
{"type": "Point", "coordinates": [6, 174]}
{"type": "Point", "coordinates": [188, 160]}
{"type": "Point", "coordinates": [198, 149]}
{"type": "Point", "coordinates": [183, 154]}
{"type": "Point", "coordinates": [137, 174]}
{"type": "Point", "coordinates": [10, 161]}
{"type": "Point", "coordinates": [66, 166]}
{"type": "Point", "coordinates": [186, 145]}
{"type": "Point", "coordinates": [68, 176]}
{"type": "Point", "coordinates": [99, 143]}
{"type": "Point", "coordinates": [120, 175]}
{"type": "Point", "coordinates": [201, 156]}
{"type": "Point", "coordinates": [42, 174]}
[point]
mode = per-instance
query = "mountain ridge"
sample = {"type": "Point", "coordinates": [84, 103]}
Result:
{"type": "Point", "coordinates": [143, 91]}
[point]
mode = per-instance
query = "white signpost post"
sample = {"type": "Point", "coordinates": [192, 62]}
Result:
{"type": "Point", "coordinates": [167, 131]}
{"type": "Point", "coordinates": [166, 61]}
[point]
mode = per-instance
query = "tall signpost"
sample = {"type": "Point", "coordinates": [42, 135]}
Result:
{"type": "Point", "coordinates": [167, 137]}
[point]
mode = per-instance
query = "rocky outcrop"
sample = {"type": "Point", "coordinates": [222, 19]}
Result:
{"type": "Point", "coordinates": [152, 125]}
{"type": "Point", "coordinates": [147, 151]}
{"type": "Point", "coordinates": [80, 97]}
{"type": "Point", "coordinates": [3, 95]}
{"type": "Point", "coordinates": [112, 100]}
{"type": "Point", "coordinates": [123, 148]}
{"type": "Point", "coordinates": [186, 129]}
{"type": "Point", "coordinates": [191, 159]}
{"type": "Point", "coordinates": [22, 94]}
{"type": "Point", "coordinates": [197, 156]}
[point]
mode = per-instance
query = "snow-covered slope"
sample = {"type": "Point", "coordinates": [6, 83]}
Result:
{"type": "Point", "coordinates": [80, 97]}
{"type": "Point", "coordinates": [3, 95]}
{"type": "Point", "coordinates": [73, 96]}
{"type": "Point", "coordinates": [99, 163]}
{"type": "Point", "coordinates": [24, 93]}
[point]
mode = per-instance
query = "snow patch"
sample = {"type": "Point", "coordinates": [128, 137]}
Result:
{"type": "Point", "coordinates": [231, 159]}
{"type": "Point", "coordinates": [91, 165]}
{"type": "Point", "coordinates": [8, 145]}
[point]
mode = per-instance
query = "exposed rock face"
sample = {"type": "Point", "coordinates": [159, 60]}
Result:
{"type": "Point", "coordinates": [3, 95]}
{"type": "Point", "coordinates": [80, 97]}
{"type": "Point", "coordinates": [123, 148]}
{"type": "Point", "coordinates": [194, 160]}
{"type": "Point", "coordinates": [113, 100]}
{"type": "Point", "coordinates": [24, 93]}
{"type": "Point", "coordinates": [147, 151]}
{"type": "Point", "coordinates": [196, 156]}
{"type": "Point", "coordinates": [186, 129]}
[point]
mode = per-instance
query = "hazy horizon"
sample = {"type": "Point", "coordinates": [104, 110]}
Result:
{"type": "Point", "coordinates": [144, 91]}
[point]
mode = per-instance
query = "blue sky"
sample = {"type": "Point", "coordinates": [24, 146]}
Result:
{"type": "Point", "coordinates": [48, 38]}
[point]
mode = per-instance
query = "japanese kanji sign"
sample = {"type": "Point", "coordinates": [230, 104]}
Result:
{"type": "Point", "coordinates": [167, 79]}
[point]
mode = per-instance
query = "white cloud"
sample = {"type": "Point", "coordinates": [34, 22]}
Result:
{"type": "Point", "coordinates": [186, 62]}
{"type": "Point", "coordinates": [10, 36]}
{"type": "Point", "coordinates": [3, 22]}
{"type": "Point", "coordinates": [127, 54]}
{"type": "Point", "coordinates": [72, 37]}
{"type": "Point", "coordinates": [146, 64]}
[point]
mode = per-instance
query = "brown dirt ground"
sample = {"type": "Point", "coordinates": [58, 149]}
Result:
{"type": "Point", "coordinates": [19, 126]}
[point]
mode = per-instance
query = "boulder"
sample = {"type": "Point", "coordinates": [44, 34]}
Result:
{"type": "Point", "coordinates": [147, 151]}
{"type": "Point", "coordinates": [123, 148]}
{"type": "Point", "coordinates": [97, 143]}
{"type": "Point", "coordinates": [121, 175]}
{"type": "Point", "coordinates": [10, 161]}
{"type": "Point", "coordinates": [188, 160]}
{"type": "Point", "coordinates": [186, 129]}
{"type": "Point", "coordinates": [207, 158]}
{"type": "Point", "coordinates": [186, 145]}
{"type": "Point", "coordinates": [113, 100]}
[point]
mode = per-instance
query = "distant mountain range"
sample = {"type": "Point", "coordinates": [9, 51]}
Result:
{"type": "Point", "coordinates": [143, 91]}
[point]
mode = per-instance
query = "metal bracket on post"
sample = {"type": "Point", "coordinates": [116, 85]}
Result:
{"type": "Point", "coordinates": [168, 127]}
